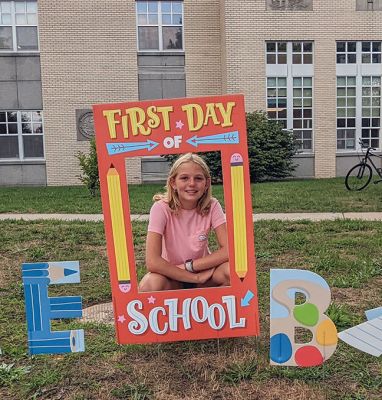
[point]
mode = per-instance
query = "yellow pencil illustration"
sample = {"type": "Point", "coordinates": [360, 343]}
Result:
{"type": "Point", "coordinates": [118, 228]}
{"type": "Point", "coordinates": [239, 221]}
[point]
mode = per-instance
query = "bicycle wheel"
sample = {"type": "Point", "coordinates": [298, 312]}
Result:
{"type": "Point", "coordinates": [358, 177]}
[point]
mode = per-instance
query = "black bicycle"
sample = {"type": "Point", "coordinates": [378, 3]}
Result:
{"type": "Point", "coordinates": [360, 175]}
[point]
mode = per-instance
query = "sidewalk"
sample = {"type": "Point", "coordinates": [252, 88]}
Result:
{"type": "Point", "coordinates": [367, 216]}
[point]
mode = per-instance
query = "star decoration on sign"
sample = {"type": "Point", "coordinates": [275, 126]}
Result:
{"type": "Point", "coordinates": [179, 124]}
{"type": "Point", "coordinates": [151, 299]}
{"type": "Point", "coordinates": [121, 319]}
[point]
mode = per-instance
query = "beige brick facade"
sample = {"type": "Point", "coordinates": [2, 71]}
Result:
{"type": "Point", "coordinates": [88, 55]}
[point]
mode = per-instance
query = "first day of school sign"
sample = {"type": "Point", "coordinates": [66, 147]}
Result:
{"type": "Point", "coordinates": [178, 126]}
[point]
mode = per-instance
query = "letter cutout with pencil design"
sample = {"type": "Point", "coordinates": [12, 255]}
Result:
{"type": "Point", "coordinates": [41, 309]}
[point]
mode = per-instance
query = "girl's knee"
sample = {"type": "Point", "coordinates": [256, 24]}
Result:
{"type": "Point", "coordinates": [153, 282]}
{"type": "Point", "coordinates": [222, 275]}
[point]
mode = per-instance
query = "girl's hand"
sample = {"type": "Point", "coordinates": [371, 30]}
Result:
{"type": "Point", "coordinates": [181, 266]}
{"type": "Point", "coordinates": [204, 276]}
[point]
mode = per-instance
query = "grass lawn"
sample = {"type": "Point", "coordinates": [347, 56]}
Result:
{"type": "Point", "coordinates": [311, 195]}
{"type": "Point", "coordinates": [346, 253]}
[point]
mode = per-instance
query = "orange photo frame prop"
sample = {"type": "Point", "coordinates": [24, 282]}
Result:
{"type": "Point", "coordinates": [178, 126]}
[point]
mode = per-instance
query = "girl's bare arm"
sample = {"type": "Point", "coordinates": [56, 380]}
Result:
{"type": "Point", "coordinates": [155, 262]}
{"type": "Point", "coordinates": [219, 256]}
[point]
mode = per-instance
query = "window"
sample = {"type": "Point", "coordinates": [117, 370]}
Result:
{"type": "Point", "coordinates": [371, 110]}
{"type": "Point", "coordinates": [346, 52]}
{"type": "Point", "coordinates": [302, 112]}
{"type": "Point", "coordinates": [21, 135]}
{"type": "Point", "coordinates": [290, 90]}
{"type": "Point", "coordinates": [346, 112]}
{"type": "Point", "coordinates": [18, 26]}
{"type": "Point", "coordinates": [369, 52]}
{"type": "Point", "coordinates": [160, 25]}
{"type": "Point", "coordinates": [369, 5]}
{"type": "Point", "coordinates": [295, 5]}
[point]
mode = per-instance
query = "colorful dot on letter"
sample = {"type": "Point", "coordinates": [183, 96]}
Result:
{"type": "Point", "coordinates": [308, 356]}
{"type": "Point", "coordinates": [327, 333]}
{"type": "Point", "coordinates": [281, 348]}
{"type": "Point", "coordinates": [306, 314]}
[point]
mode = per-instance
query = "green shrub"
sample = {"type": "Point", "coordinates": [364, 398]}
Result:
{"type": "Point", "coordinates": [89, 167]}
{"type": "Point", "coordinates": [270, 151]}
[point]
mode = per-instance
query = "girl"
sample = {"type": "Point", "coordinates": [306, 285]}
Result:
{"type": "Point", "coordinates": [177, 253]}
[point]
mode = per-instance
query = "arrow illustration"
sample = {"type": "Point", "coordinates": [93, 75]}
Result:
{"type": "Point", "coordinates": [118, 148]}
{"type": "Point", "coordinates": [247, 298]}
{"type": "Point", "coordinates": [220, 138]}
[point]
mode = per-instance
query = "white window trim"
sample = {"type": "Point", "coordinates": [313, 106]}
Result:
{"type": "Point", "coordinates": [290, 71]}
{"type": "Point", "coordinates": [20, 138]}
{"type": "Point", "coordinates": [14, 34]}
{"type": "Point", "coordinates": [358, 70]}
{"type": "Point", "coordinates": [160, 26]}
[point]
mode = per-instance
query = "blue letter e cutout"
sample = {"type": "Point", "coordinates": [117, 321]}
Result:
{"type": "Point", "coordinates": [41, 309]}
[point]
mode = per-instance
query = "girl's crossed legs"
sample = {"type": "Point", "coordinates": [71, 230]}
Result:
{"type": "Point", "coordinates": [153, 282]}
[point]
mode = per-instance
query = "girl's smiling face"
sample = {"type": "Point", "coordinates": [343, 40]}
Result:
{"type": "Point", "coordinates": [190, 183]}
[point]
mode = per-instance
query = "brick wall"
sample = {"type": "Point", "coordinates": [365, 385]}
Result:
{"type": "Point", "coordinates": [88, 56]}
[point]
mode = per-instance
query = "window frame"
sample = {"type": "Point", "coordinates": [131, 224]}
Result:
{"type": "Point", "coordinates": [160, 26]}
{"type": "Point", "coordinates": [20, 135]}
{"type": "Point", "coordinates": [13, 25]}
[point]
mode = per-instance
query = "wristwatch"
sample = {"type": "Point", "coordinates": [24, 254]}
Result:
{"type": "Point", "coordinates": [189, 265]}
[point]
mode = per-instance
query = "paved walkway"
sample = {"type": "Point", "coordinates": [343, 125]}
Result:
{"type": "Point", "coordinates": [367, 216]}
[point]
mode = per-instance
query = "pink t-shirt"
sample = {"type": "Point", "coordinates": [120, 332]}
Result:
{"type": "Point", "coordinates": [184, 235]}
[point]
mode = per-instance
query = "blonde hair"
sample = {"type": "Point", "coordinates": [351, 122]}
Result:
{"type": "Point", "coordinates": [171, 197]}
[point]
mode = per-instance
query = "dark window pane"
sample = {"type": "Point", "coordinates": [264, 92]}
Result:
{"type": "Point", "coordinates": [308, 47]}
{"type": "Point", "coordinates": [341, 47]}
{"type": "Point", "coordinates": [352, 46]}
{"type": "Point", "coordinates": [307, 145]}
{"type": "Point", "coordinates": [282, 58]}
{"type": "Point", "coordinates": [148, 38]}
{"type": "Point", "coordinates": [365, 122]}
{"type": "Point", "coordinates": [9, 147]}
{"type": "Point", "coordinates": [5, 38]}
{"type": "Point", "coordinates": [2, 116]}
{"type": "Point", "coordinates": [271, 103]}
{"type": "Point", "coordinates": [27, 38]}
{"type": "Point", "coordinates": [172, 38]}
{"type": "Point", "coordinates": [296, 46]}
{"type": "Point", "coordinates": [283, 113]}
{"type": "Point", "coordinates": [375, 122]}
{"type": "Point", "coordinates": [374, 143]}
{"type": "Point", "coordinates": [271, 58]}
{"type": "Point", "coordinates": [365, 46]}
{"type": "Point", "coordinates": [341, 123]}
{"type": "Point", "coordinates": [377, 46]}
{"type": "Point", "coordinates": [365, 133]}
{"type": "Point", "coordinates": [296, 58]}
{"type": "Point", "coordinates": [341, 59]}
{"type": "Point", "coordinates": [12, 128]}
{"type": "Point", "coordinates": [297, 123]}
{"type": "Point", "coordinates": [308, 113]}
{"type": "Point", "coordinates": [374, 133]}
{"type": "Point", "coordinates": [12, 116]}
{"type": "Point", "coordinates": [376, 58]}
{"type": "Point", "coordinates": [297, 113]}
{"type": "Point", "coordinates": [352, 58]}
{"type": "Point", "coordinates": [341, 134]}
{"type": "Point", "coordinates": [33, 146]}
{"type": "Point", "coordinates": [282, 47]}
{"type": "Point", "coordinates": [3, 129]}
{"type": "Point", "coordinates": [282, 103]}
{"type": "Point", "coordinates": [351, 122]}
{"type": "Point", "coordinates": [37, 128]}
{"type": "Point", "coordinates": [308, 59]}
{"type": "Point", "coordinates": [307, 134]}
{"type": "Point", "coordinates": [26, 128]}
{"type": "Point", "coordinates": [272, 114]}
{"type": "Point", "coordinates": [271, 47]}
{"type": "Point", "coordinates": [340, 144]}
{"type": "Point", "coordinates": [297, 134]}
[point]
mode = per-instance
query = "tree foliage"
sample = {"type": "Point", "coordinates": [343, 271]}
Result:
{"type": "Point", "coordinates": [89, 167]}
